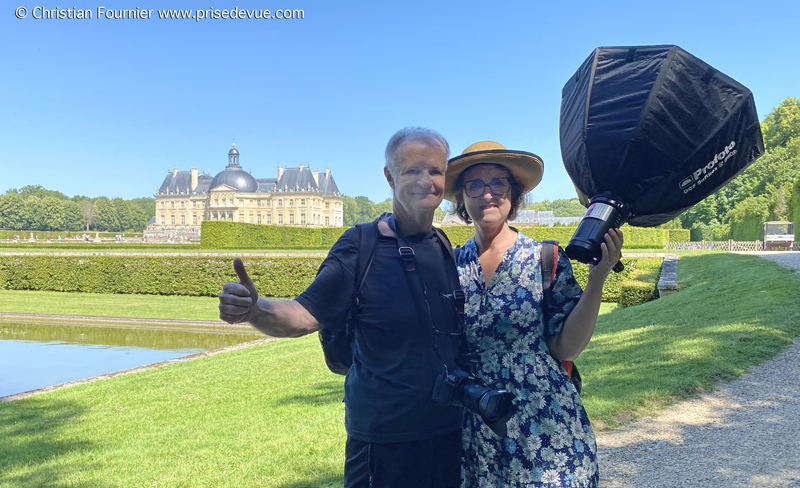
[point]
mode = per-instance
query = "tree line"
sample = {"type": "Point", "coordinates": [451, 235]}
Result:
{"type": "Point", "coordinates": [358, 210]}
{"type": "Point", "coordinates": [763, 192]}
{"type": "Point", "coordinates": [35, 208]}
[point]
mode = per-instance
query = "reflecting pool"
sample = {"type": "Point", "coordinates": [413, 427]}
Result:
{"type": "Point", "coordinates": [35, 356]}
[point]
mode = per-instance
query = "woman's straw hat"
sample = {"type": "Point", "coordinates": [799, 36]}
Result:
{"type": "Point", "coordinates": [526, 167]}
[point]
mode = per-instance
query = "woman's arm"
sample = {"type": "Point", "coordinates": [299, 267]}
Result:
{"type": "Point", "coordinates": [574, 336]}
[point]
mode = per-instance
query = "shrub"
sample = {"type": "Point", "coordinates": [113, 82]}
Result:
{"type": "Point", "coordinates": [634, 292]}
{"type": "Point", "coordinates": [165, 275]}
{"type": "Point", "coordinates": [222, 235]}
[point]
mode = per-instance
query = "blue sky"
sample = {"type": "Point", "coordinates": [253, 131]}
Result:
{"type": "Point", "coordinates": [105, 107]}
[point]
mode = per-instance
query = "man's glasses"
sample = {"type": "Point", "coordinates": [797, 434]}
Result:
{"type": "Point", "coordinates": [477, 188]}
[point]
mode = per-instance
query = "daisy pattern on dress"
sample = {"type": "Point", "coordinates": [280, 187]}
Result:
{"type": "Point", "coordinates": [550, 442]}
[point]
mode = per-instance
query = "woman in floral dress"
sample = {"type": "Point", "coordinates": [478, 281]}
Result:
{"type": "Point", "coordinates": [550, 442]}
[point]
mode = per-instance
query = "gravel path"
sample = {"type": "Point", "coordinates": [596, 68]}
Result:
{"type": "Point", "coordinates": [746, 434]}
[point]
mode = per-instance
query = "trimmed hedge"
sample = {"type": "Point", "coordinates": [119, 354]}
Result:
{"type": "Point", "coordinates": [677, 235]}
{"type": "Point", "coordinates": [636, 292]}
{"type": "Point", "coordinates": [641, 285]}
{"type": "Point", "coordinates": [646, 270]}
{"type": "Point", "coordinates": [221, 235]}
{"type": "Point", "coordinates": [164, 275]}
{"type": "Point", "coordinates": [198, 275]}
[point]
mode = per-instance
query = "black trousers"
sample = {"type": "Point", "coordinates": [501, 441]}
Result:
{"type": "Point", "coordinates": [430, 463]}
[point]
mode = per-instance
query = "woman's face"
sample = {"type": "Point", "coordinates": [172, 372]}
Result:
{"type": "Point", "coordinates": [487, 209]}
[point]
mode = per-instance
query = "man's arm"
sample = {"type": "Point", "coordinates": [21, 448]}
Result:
{"type": "Point", "coordinates": [239, 302]}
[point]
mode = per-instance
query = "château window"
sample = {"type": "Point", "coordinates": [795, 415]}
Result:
{"type": "Point", "coordinates": [302, 202]}
{"type": "Point", "coordinates": [302, 218]}
{"type": "Point", "coordinates": [194, 219]}
{"type": "Point", "coordinates": [162, 218]}
{"type": "Point", "coordinates": [241, 202]}
{"type": "Point", "coordinates": [182, 204]}
{"type": "Point", "coordinates": [216, 202]}
{"type": "Point", "coordinates": [269, 219]}
{"type": "Point", "coordinates": [280, 202]}
{"type": "Point", "coordinates": [327, 221]}
{"type": "Point", "coordinates": [258, 219]}
{"type": "Point", "coordinates": [291, 218]}
{"type": "Point", "coordinates": [327, 206]}
{"type": "Point", "coordinates": [162, 204]}
{"type": "Point", "coordinates": [172, 204]}
{"type": "Point", "coordinates": [280, 218]}
{"type": "Point", "coordinates": [183, 220]}
{"type": "Point", "coordinates": [291, 202]}
{"type": "Point", "coordinates": [172, 220]}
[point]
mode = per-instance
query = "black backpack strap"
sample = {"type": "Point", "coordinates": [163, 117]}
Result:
{"type": "Point", "coordinates": [367, 242]}
{"type": "Point", "coordinates": [549, 262]}
{"type": "Point", "coordinates": [337, 344]}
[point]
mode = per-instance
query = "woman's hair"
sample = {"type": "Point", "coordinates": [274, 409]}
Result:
{"type": "Point", "coordinates": [517, 194]}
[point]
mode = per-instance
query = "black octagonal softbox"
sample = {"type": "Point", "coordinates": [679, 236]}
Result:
{"type": "Point", "coordinates": [647, 132]}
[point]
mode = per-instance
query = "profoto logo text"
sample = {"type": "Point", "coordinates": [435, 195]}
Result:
{"type": "Point", "coordinates": [699, 176]}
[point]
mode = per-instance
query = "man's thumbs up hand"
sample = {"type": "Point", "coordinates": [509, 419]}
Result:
{"type": "Point", "coordinates": [238, 299]}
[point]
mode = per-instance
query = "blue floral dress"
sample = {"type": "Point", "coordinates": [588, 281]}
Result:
{"type": "Point", "coordinates": [550, 442]}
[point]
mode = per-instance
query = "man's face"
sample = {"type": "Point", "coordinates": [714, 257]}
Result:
{"type": "Point", "coordinates": [418, 180]}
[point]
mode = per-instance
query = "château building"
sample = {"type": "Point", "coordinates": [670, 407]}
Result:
{"type": "Point", "coordinates": [297, 197]}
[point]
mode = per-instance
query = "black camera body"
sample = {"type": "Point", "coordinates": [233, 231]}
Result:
{"type": "Point", "coordinates": [460, 388]}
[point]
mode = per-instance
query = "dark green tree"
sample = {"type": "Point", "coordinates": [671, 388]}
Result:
{"type": "Point", "coordinates": [358, 210]}
{"type": "Point", "coordinates": [782, 124]}
{"type": "Point", "coordinates": [566, 207]}
{"type": "Point", "coordinates": [33, 216]}
{"type": "Point", "coordinates": [11, 211]}
{"type": "Point", "coordinates": [73, 217]}
{"type": "Point", "coordinates": [747, 218]}
{"type": "Point", "coordinates": [107, 219]}
{"type": "Point", "coordinates": [53, 213]}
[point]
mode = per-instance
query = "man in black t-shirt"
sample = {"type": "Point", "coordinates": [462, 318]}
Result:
{"type": "Point", "coordinates": [396, 435]}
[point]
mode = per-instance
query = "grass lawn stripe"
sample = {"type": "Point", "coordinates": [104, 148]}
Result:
{"type": "Point", "coordinates": [272, 415]}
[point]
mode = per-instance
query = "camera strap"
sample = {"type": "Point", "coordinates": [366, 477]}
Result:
{"type": "Point", "coordinates": [419, 292]}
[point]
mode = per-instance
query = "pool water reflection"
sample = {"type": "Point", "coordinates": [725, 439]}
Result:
{"type": "Point", "coordinates": [36, 356]}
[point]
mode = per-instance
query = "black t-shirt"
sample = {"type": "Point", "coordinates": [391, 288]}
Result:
{"type": "Point", "coordinates": [388, 389]}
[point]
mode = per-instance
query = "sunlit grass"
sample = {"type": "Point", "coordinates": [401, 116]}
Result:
{"type": "Point", "coordinates": [110, 305]}
{"type": "Point", "coordinates": [733, 312]}
{"type": "Point", "coordinates": [272, 415]}
{"type": "Point", "coordinates": [267, 416]}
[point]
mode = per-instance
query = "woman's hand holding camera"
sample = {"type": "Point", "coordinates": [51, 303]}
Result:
{"type": "Point", "coordinates": [612, 253]}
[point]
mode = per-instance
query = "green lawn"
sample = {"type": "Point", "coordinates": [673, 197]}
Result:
{"type": "Point", "coordinates": [271, 415]}
{"type": "Point", "coordinates": [151, 306]}
{"type": "Point", "coordinates": [108, 305]}
{"type": "Point", "coordinates": [732, 312]}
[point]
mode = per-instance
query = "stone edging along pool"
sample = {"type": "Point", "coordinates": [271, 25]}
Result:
{"type": "Point", "coordinates": [235, 347]}
{"type": "Point", "coordinates": [183, 325]}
